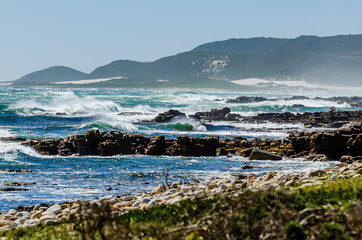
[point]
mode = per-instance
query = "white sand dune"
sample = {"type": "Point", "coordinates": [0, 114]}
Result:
{"type": "Point", "coordinates": [253, 81]}
{"type": "Point", "coordinates": [346, 90]}
{"type": "Point", "coordinates": [5, 84]}
{"type": "Point", "coordinates": [88, 81]}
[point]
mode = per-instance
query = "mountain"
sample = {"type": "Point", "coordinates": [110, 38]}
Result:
{"type": "Point", "coordinates": [52, 74]}
{"type": "Point", "coordinates": [342, 45]}
{"type": "Point", "coordinates": [118, 68]}
{"type": "Point", "coordinates": [333, 60]}
{"type": "Point", "coordinates": [249, 46]}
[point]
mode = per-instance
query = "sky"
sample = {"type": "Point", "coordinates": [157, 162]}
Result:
{"type": "Point", "coordinates": [85, 34]}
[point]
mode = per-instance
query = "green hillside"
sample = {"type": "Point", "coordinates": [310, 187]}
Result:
{"type": "Point", "coordinates": [118, 68]}
{"type": "Point", "coordinates": [53, 74]}
{"type": "Point", "coordinates": [249, 46]}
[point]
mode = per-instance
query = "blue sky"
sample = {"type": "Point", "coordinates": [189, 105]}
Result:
{"type": "Point", "coordinates": [85, 34]}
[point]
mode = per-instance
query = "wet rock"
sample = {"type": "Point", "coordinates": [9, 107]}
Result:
{"type": "Point", "coordinates": [247, 99]}
{"type": "Point", "coordinates": [18, 184]}
{"type": "Point", "coordinates": [168, 116]}
{"type": "Point", "coordinates": [193, 146]}
{"type": "Point", "coordinates": [310, 119]}
{"type": "Point", "coordinates": [47, 147]}
{"type": "Point", "coordinates": [355, 145]}
{"type": "Point", "coordinates": [222, 114]}
{"type": "Point", "coordinates": [298, 105]}
{"type": "Point", "coordinates": [246, 152]}
{"type": "Point", "coordinates": [109, 148]}
{"type": "Point", "coordinates": [332, 144]}
{"type": "Point", "coordinates": [10, 189]}
{"type": "Point", "coordinates": [12, 139]}
{"type": "Point", "coordinates": [245, 167]}
{"type": "Point", "coordinates": [296, 98]}
{"type": "Point", "coordinates": [259, 154]}
{"type": "Point", "coordinates": [156, 146]}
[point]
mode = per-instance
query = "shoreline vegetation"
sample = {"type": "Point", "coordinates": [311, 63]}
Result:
{"type": "Point", "coordinates": [321, 204]}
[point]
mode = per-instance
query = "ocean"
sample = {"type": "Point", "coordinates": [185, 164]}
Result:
{"type": "Point", "coordinates": [57, 113]}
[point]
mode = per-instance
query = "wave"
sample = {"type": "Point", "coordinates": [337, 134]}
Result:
{"type": "Point", "coordinates": [11, 151]}
{"type": "Point", "coordinates": [68, 104]}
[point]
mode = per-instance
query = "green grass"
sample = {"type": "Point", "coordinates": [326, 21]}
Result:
{"type": "Point", "coordinates": [330, 211]}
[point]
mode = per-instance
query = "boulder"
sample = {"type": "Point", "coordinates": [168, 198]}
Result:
{"type": "Point", "coordinates": [246, 152]}
{"type": "Point", "coordinates": [316, 173]}
{"type": "Point", "coordinates": [168, 116]}
{"type": "Point", "coordinates": [53, 209]}
{"type": "Point", "coordinates": [217, 115]}
{"type": "Point", "coordinates": [259, 154]}
{"type": "Point", "coordinates": [246, 99]}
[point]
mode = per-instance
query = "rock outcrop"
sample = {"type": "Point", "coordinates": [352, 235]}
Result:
{"type": "Point", "coordinates": [333, 143]}
{"type": "Point", "coordinates": [331, 118]}
{"type": "Point", "coordinates": [259, 154]}
{"type": "Point", "coordinates": [168, 116]}
{"type": "Point", "coordinates": [223, 114]}
{"type": "Point", "coordinates": [247, 99]}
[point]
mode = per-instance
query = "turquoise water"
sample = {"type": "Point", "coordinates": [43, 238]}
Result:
{"type": "Point", "coordinates": [58, 113]}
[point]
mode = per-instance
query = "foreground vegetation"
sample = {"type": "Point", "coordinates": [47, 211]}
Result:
{"type": "Point", "coordinates": [330, 211]}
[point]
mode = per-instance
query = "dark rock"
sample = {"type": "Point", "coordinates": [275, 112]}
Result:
{"type": "Point", "coordinates": [156, 146]}
{"type": "Point", "coordinates": [193, 146]}
{"type": "Point", "coordinates": [223, 152]}
{"type": "Point", "coordinates": [18, 184]}
{"type": "Point", "coordinates": [259, 154]}
{"type": "Point", "coordinates": [245, 167]}
{"type": "Point", "coordinates": [12, 139]}
{"type": "Point", "coordinates": [168, 116]}
{"type": "Point", "coordinates": [109, 148]}
{"type": "Point", "coordinates": [10, 189]}
{"type": "Point", "coordinates": [246, 99]}
{"type": "Point", "coordinates": [332, 144]}
{"type": "Point", "coordinates": [222, 114]}
{"type": "Point", "coordinates": [298, 105]}
{"type": "Point", "coordinates": [246, 152]}
{"type": "Point", "coordinates": [296, 98]}
{"type": "Point", "coordinates": [315, 119]}
{"type": "Point", "coordinates": [47, 147]}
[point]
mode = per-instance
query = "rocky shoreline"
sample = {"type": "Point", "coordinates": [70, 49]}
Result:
{"type": "Point", "coordinates": [173, 194]}
{"type": "Point", "coordinates": [352, 101]}
{"type": "Point", "coordinates": [330, 119]}
{"type": "Point", "coordinates": [344, 143]}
